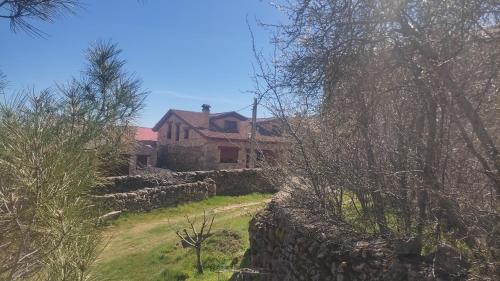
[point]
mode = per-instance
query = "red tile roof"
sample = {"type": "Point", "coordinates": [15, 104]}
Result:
{"type": "Point", "coordinates": [242, 135]}
{"type": "Point", "coordinates": [145, 134]}
{"type": "Point", "coordinates": [197, 121]}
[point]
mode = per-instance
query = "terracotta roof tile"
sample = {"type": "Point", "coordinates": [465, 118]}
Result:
{"type": "Point", "coordinates": [197, 121]}
{"type": "Point", "coordinates": [242, 135]}
{"type": "Point", "coordinates": [145, 134]}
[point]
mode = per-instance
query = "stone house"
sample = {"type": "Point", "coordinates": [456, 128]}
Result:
{"type": "Point", "coordinates": [188, 140]}
{"type": "Point", "coordinates": [144, 151]}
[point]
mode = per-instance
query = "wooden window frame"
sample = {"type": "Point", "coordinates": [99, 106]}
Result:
{"type": "Point", "coordinates": [177, 132]}
{"type": "Point", "coordinates": [142, 164]}
{"type": "Point", "coordinates": [231, 130]}
{"type": "Point", "coordinates": [169, 130]}
{"type": "Point", "coordinates": [229, 154]}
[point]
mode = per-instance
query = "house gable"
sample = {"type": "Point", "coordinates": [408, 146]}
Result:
{"type": "Point", "coordinates": [164, 118]}
{"type": "Point", "coordinates": [212, 126]}
{"type": "Point", "coordinates": [193, 119]}
{"type": "Point", "coordinates": [174, 129]}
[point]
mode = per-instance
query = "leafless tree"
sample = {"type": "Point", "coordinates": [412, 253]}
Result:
{"type": "Point", "coordinates": [392, 109]}
{"type": "Point", "coordinates": [196, 238]}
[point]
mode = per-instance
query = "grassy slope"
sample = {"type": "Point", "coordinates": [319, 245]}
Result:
{"type": "Point", "coordinates": [144, 246]}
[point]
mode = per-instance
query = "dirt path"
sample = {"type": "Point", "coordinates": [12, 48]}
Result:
{"type": "Point", "coordinates": [141, 246]}
{"type": "Point", "coordinates": [239, 206]}
{"type": "Point", "coordinates": [120, 235]}
{"type": "Point", "coordinates": [145, 226]}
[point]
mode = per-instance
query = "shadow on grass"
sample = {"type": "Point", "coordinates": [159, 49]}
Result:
{"type": "Point", "coordinates": [243, 276]}
{"type": "Point", "coordinates": [173, 275]}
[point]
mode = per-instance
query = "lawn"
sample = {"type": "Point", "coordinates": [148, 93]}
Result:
{"type": "Point", "coordinates": [143, 246]}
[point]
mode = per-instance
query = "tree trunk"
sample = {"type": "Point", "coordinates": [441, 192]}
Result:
{"type": "Point", "coordinates": [422, 190]}
{"type": "Point", "coordinates": [375, 188]}
{"type": "Point", "coordinates": [401, 166]}
{"type": "Point", "coordinates": [443, 73]}
{"type": "Point", "coordinates": [199, 265]}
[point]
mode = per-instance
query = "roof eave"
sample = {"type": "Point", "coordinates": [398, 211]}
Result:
{"type": "Point", "coordinates": [158, 125]}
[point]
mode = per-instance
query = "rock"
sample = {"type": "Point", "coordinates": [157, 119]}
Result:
{"type": "Point", "coordinates": [449, 264]}
{"type": "Point", "coordinates": [333, 268]}
{"type": "Point", "coordinates": [110, 216]}
{"type": "Point", "coordinates": [322, 253]}
{"type": "Point", "coordinates": [338, 256]}
{"type": "Point", "coordinates": [412, 273]}
{"type": "Point", "coordinates": [343, 266]}
{"type": "Point", "coordinates": [359, 267]}
{"type": "Point", "coordinates": [362, 244]}
{"type": "Point", "coordinates": [410, 246]}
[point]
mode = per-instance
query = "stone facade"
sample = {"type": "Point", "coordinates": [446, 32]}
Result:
{"type": "Point", "coordinates": [184, 158]}
{"type": "Point", "coordinates": [143, 151]}
{"type": "Point", "coordinates": [289, 244]}
{"type": "Point", "coordinates": [189, 141]}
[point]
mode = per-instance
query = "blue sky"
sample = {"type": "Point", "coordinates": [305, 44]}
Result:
{"type": "Point", "coordinates": [186, 52]}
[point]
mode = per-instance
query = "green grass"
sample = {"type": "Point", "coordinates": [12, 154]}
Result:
{"type": "Point", "coordinates": [143, 246]}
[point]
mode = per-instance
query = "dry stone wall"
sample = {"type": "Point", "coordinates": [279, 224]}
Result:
{"type": "Point", "coordinates": [288, 244]}
{"type": "Point", "coordinates": [146, 192]}
{"type": "Point", "coordinates": [132, 183]}
{"type": "Point", "coordinates": [232, 182]}
{"type": "Point", "coordinates": [149, 198]}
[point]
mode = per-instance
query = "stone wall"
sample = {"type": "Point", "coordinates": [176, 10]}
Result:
{"type": "Point", "coordinates": [290, 244]}
{"type": "Point", "coordinates": [228, 182]}
{"type": "Point", "coordinates": [131, 183]}
{"type": "Point", "coordinates": [146, 192]}
{"type": "Point", "coordinates": [149, 198]}
{"type": "Point", "coordinates": [231, 182]}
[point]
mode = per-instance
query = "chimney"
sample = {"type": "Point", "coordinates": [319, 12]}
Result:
{"type": "Point", "coordinates": [205, 108]}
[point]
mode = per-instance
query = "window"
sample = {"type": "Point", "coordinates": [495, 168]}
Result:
{"type": "Point", "coordinates": [269, 156]}
{"type": "Point", "coordinates": [142, 161]}
{"type": "Point", "coordinates": [259, 156]}
{"type": "Point", "coordinates": [228, 154]}
{"type": "Point", "coordinates": [230, 126]}
{"type": "Point", "coordinates": [177, 131]}
{"type": "Point", "coordinates": [186, 133]}
{"type": "Point", "coordinates": [169, 130]}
